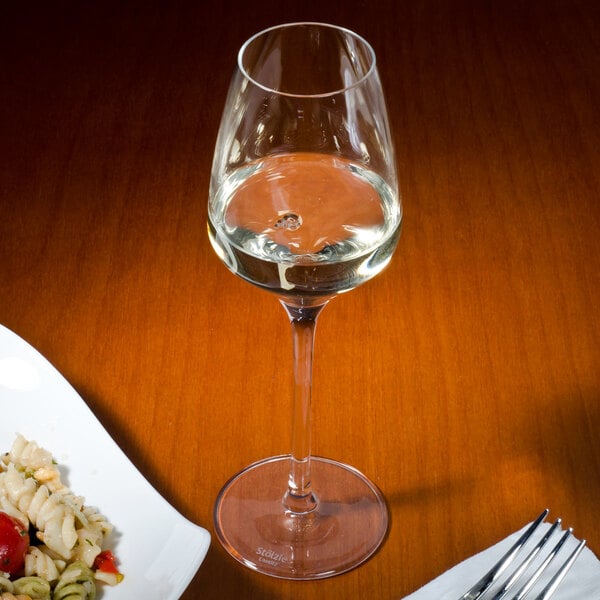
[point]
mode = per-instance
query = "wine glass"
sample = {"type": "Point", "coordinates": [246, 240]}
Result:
{"type": "Point", "coordinates": [304, 203]}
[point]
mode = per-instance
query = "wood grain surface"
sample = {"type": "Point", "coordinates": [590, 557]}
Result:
{"type": "Point", "coordinates": [465, 380]}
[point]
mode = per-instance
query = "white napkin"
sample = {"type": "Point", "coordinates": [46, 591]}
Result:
{"type": "Point", "coordinates": [581, 583]}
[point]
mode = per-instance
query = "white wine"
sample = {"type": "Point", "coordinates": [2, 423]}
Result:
{"type": "Point", "coordinates": [304, 224]}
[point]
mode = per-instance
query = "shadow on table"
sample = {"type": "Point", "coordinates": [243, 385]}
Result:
{"type": "Point", "coordinates": [568, 443]}
{"type": "Point", "coordinates": [116, 429]}
{"type": "Point", "coordinates": [236, 580]}
{"type": "Point", "coordinates": [218, 566]}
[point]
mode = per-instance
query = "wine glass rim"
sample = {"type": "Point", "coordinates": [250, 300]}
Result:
{"type": "Point", "coordinates": [356, 36]}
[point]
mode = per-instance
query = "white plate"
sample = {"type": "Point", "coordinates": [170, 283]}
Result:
{"type": "Point", "coordinates": [158, 550]}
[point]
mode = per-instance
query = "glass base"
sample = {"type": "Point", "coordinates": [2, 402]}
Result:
{"type": "Point", "coordinates": [346, 528]}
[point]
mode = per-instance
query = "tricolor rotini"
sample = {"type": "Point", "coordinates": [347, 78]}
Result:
{"type": "Point", "coordinates": [59, 564]}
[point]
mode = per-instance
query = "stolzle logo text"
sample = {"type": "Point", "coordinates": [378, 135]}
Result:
{"type": "Point", "coordinates": [270, 556]}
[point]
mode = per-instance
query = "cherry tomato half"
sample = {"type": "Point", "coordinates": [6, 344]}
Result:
{"type": "Point", "coordinates": [14, 543]}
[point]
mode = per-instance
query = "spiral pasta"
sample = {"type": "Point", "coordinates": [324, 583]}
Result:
{"type": "Point", "coordinates": [34, 587]}
{"type": "Point", "coordinates": [75, 583]}
{"type": "Point", "coordinates": [35, 503]}
{"type": "Point", "coordinates": [7, 589]}
{"type": "Point", "coordinates": [5, 584]}
{"type": "Point", "coordinates": [60, 564]}
{"type": "Point", "coordinates": [39, 562]}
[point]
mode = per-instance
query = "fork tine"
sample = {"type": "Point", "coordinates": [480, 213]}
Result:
{"type": "Point", "coordinates": [560, 574]}
{"type": "Point", "coordinates": [512, 580]}
{"type": "Point", "coordinates": [496, 571]}
{"type": "Point", "coordinates": [538, 572]}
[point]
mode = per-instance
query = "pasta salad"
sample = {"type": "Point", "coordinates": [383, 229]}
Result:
{"type": "Point", "coordinates": [51, 542]}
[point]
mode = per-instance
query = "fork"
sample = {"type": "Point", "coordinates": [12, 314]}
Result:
{"type": "Point", "coordinates": [499, 569]}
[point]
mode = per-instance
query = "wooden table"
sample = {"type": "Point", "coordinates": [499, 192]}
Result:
{"type": "Point", "coordinates": [465, 380]}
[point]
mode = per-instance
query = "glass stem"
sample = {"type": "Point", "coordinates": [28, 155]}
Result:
{"type": "Point", "coordinates": [299, 498]}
